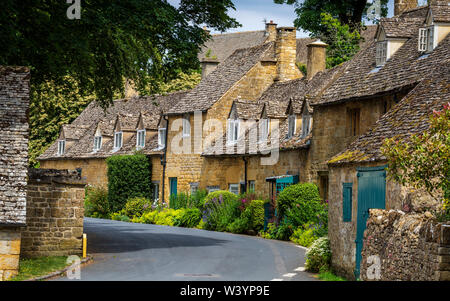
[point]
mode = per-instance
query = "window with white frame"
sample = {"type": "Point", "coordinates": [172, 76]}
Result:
{"type": "Point", "coordinates": [212, 188]}
{"type": "Point", "coordinates": [193, 187]}
{"type": "Point", "coordinates": [97, 143]}
{"type": "Point", "coordinates": [186, 126]}
{"type": "Point", "coordinates": [292, 120]}
{"type": "Point", "coordinates": [306, 125]}
{"type": "Point", "coordinates": [117, 140]}
{"type": "Point", "coordinates": [264, 129]}
{"type": "Point", "coordinates": [233, 130]}
{"type": "Point", "coordinates": [426, 39]}
{"type": "Point", "coordinates": [234, 188]}
{"type": "Point", "coordinates": [251, 186]}
{"type": "Point", "coordinates": [162, 137]}
{"type": "Point", "coordinates": [381, 53]}
{"type": "Point", "coordinates": [140, 139]}
{"type": "Point", "coordinates": [61, 147]}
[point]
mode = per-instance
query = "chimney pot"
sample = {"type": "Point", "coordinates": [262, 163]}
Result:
{"type": "Point", "coordinates": [271, 31]}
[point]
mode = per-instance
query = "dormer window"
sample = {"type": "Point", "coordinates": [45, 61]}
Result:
{"type": "Point", "coordinates": [263, 129]}
{"type": "Point", "coordinates": [61, 147]}
{"type": "Point", "coordinates": [186, 126]}
{"type": "Point", "coordinates": [292, 120]}
{"type": "Point", "coordinates": [381, 53]}
{"type": "Point", "coordinates": [306, 125]}
{"type": "Point", "coordinates": [426, 39]}
{"type": "Point", "coordinates": [117, 140]}
{"type": "Point", "coordinates": [233, 130]}
{"type": "Point", "coordinates": [162, 137]}
{"type": "Point", "coordinates": [97, 143]}
{"type": "Point", "coordinates": [140, 139]}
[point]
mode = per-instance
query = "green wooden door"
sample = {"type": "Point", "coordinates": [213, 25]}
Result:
{"type": "Point", "coordinates": [173, 186]}
{"type": "Point", "coordinates": [371, 194]}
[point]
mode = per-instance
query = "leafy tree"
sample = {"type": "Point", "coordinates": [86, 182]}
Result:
{"type": "Point", "coordinates": [148, 42]}
{"type": "Point", "coordinates": [348, 12]}
{"type": "Point", "coordinates": [424, 160]}
{"type": "Point", "coordinates": [184, 81]}
{"type": "Point", "coordinates": [343, 41]}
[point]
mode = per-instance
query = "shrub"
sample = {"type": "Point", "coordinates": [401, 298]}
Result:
{"type": "Point", "coordinates": [136, 207]}
{"type": "Point", "coordinates": [148, 217]}
{"type": "Point", "coordinates": [221, 209]}
{"type": "Point", "coordinates": [319, 255]}
{"type": "Point", "coordinates": [304, 236]}
{"type": "Point", "coordinates": [297, 194]}
{"type": "Point", "coordinates": [254, 213]}
{"type": "Point", "coordinates": [197, 199]}
{"type": "Point", "coordinates": [239, 225]}
{"type": "Point", "coordinates": [117, 216]}
{"type": "Point", "coordinates": [283, 231]}
{"type": "Point", "coordinates": [96, 202]}
{"type": "Point", "coordinates": [179, 200]}
{"type": "Point", "coordinates": [129, 176]}
{"type": "Point", "coordinates": [188, 218]}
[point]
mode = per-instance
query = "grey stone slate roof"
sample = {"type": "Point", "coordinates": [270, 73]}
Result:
{"type": "Point", "coordinates": [405, 68]}
{"type": "Point", "coordinates": [401, 27]}
{"type": "Point", "coordinates": [441, 11]}
{"type": "Point", "coordinates": [127, 111]}
{"type": "Point", "coordinates": [409, 116]}
{"type": "Point", "coordinates": [219, 81]}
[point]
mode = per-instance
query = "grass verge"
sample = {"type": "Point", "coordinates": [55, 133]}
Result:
{"type": "Point", "coordinates": [329, 276]}
{"type": "Point", "coordinates": [36, 267]}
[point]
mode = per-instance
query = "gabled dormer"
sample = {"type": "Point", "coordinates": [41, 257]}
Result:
{"type": "Point", "coordinates": [233, 125]}
{"type": "Point", "coordinates": [435, 28]}
{"type": "Point", "coordinates": [263, 125]}
{"type": "Point", "coordinates": [292, 114]}
{"type": "Point", "coordinates": [306, 113]}
{"type": "Point", "coordinates": [118, 135]}
{"type": "Point", "coordinates": [98, 139]}
{"type": "Point", "coordinates": [68, 135]}
{"type": "Point", "coordinates": [390, 36]}
{"type": "Point", "coordinates": [162, 133]}
{"type": "Point", "coordinates": [140, 133]}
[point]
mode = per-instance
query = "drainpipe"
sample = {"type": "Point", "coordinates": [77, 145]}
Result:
{"type": "Point", "coordinates": [245, 173]}
{"type": "Point", "coordinates": [163, 158]}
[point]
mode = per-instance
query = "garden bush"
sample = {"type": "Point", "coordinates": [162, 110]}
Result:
{"type": "Point", "coordinates": [188, 218]}
{"type": "Point", "coordinates": [318, 257]}
{"type": "Point", "coordinates": [304, 236]}
{"type": "Point", "coordinates": [129, 176]}
{"type": "Point", "coordinates": [239, 225]}
{"type": "Point", "coordinates": [184, 200]}
{"type": "Point", "coordinates": [301, 204]}
{"type": "Point", "coordinates": [254, 213]}
{"type": "Point", "coordinates": [96, 202]}
{"type": "Point", "coordinates": [165, 217]}
{"type": "Point", "coordinates": [135, 207]}
{"type": "Point", "coordinates": [221, 209]}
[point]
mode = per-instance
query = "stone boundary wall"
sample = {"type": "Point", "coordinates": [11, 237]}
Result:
{"type": "Point", "coordinates": [405, 246]}
{"type": "Point", "coordinates": [55, 212]}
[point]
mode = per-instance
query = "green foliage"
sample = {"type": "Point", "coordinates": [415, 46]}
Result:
{"type": "Point", "coordinates": [327, 275]}
{"type": "Point", "coordinates": [348, 12]}
{"type": "Point", "coordinates": [145, 41]}
{"type": "Point", "coordinates": [254, 214]}
{"type": "Point", "coordinates": [188, 218]}
{"type": "Point", "coordinates": [36, 267]}
{"type": "Point", "coordinates": [343, 40]}
{"type": "Point", "coordinates": [239, 225]}
{"type": "Point", "coordinates": [184, 200]}
{"type": "Point", "coordinates": [423, 161]}
{"type": "Point", "coordinates": [51, 106]}
{"type": "Point", "coordinates": [304, 236]}
{"type": "Point", "coordinates": [183, 81]}
{"type": "Point", "coordinates": [135, 207]}
{"type": "Point", "coordinates": [302, 67]}
{"type": "Point", "coordinates": [118, 216]}
{"type": "Point", "coordinates": [96, 202]}
{"type": "Point", "coordinates": [319, 255]}
{"type": "Point", "coordinates": [302, 196]}
{"type": "Point", "coordinates": [221, 209]}
{"type": "Point", "coordinates": [129, 176]}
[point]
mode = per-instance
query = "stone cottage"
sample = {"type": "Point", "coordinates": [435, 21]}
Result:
{"type": "Point", "coordinates": [388, 76]}
{"type": "Point", "coordinates": [14, 102]}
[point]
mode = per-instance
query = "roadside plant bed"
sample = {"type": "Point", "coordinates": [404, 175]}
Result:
{"type": "Point", "coordinates": [36, 267]}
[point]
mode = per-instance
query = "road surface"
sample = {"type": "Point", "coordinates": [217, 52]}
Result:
{"type": "Point", "coordinates": [131, 251]}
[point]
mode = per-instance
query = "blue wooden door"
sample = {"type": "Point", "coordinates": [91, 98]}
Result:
{"type": "Point", "coordinates": [371, 194]}
{"type": "Point", "coordinates": [173, 186]}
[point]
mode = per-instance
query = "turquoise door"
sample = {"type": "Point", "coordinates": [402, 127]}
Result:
{"type": "Point", "coordinates": [371, 194]}
{"type": "Point", "coordinates": [173, 186]}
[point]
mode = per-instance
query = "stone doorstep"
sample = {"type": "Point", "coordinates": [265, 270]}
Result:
{"type": "Point", "coordinates": [60, 272]}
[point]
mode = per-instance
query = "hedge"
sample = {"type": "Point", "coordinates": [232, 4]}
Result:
{"type": "Point", "coordinates": [129, 176]}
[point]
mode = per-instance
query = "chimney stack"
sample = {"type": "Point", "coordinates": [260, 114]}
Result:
{"type": "Point", "coordinates": [316, 60]}
{"type": "Point", "coordinates": [271, 31]}
{"type": "Point", "coordinates": [286, 54]}
{"type": "Point", "coordinates": [401, 6]}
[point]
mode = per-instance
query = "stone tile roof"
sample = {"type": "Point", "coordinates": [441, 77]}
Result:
{"type": "Point", "coordinates": [221, 46]}
{"type": "Point", "coordinates": [247, 109]}
{"type": "Point", "coordinates": [400, 27]}
{"type": "Point", "coordinates": [405, 68]}
{"type": "Point", "coordinates": [128, 111]}
{"type": "Point", "coordinates": [368, 35]}
{"type": "Point", "coordinates": [409, 116]}
{"type": "Point", "coordinates": [73, 131]}
{"type": "Point", "coordinates": [219, 81]}
{"type": "Point", "coordinates": [418, 12]}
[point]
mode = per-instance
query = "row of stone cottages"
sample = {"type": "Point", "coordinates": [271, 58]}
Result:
{"type": "Point", "coordinates": [388, 89]}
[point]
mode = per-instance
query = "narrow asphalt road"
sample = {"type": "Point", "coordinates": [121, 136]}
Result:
{"type": "Point", "coordinates": [129, 251]}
